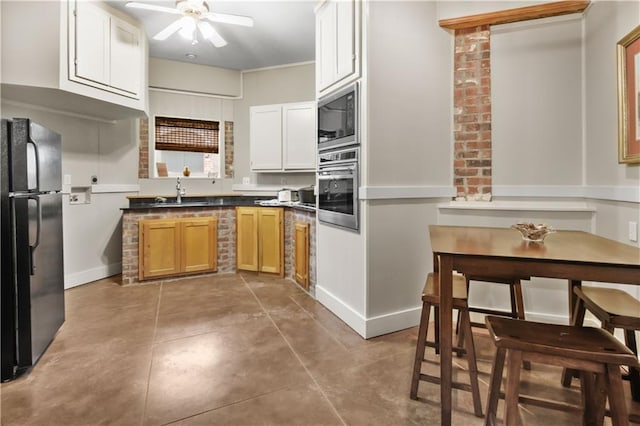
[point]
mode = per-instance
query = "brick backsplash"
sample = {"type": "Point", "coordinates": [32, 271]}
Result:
{"type": "Point", "coordinates": [228, 149]}
{"type": "Point", "coordinates": [472, 112]}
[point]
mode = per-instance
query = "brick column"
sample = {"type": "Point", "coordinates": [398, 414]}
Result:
{"type": "Point", "coordinates": [472, 113]}
{"type": "Point", "coordinates": [143, 156]}
{"type": "Point", "coordinates": [228, 149]}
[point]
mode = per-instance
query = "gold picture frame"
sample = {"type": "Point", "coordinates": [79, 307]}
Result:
{"type": "Point", "coordinates": [628, 52]}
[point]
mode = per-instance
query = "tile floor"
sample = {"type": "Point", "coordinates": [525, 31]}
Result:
{"type": "Point", "coordinates": [234, 350]}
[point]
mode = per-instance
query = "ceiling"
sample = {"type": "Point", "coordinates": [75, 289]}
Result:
{"type": "Point", "coordinates": [283, 33]}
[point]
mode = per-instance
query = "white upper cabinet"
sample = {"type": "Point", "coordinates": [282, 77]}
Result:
{"type": "Point", "coordinates": [106, 51]}
{"type": "Point", "coordinates": [299, 138]}
{"type": "Point", "coordinates": [337, 44]}
{"type": "Point", "coordinates": [283, 137]}
{"type": "Point", "coordinates": [83, 57]}
{"type": "Point", "coordinates": [265, 135]}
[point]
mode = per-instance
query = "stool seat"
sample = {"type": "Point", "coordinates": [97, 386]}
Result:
{"type": "Point", "coordinates": [594, 352]}
{"type": "Point", "coordinates": [616, 307]}
{"type": "Point", "coordinates": [580, 343]}
{"type": "Point", "coordinates": [431, 290]}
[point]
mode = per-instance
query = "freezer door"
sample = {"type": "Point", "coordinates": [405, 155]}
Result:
{"type": "Point", "coordinates": [40, 282]}
{"type": "Point", "coordinates": [35, 158]}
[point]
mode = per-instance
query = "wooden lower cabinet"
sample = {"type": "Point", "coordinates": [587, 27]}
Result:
{"type": "Point", "coordinates": [260, 239]}
{"type": "Point", "coordinates": [301, 241]}
{"type": "Point", "coordinates": [177, 246]}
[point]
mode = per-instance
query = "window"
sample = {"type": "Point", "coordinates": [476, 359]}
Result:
{"type": "Point", "coordinates": [182, 142]}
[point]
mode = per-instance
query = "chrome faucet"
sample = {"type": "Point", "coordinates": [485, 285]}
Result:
{"type": "Point", "coordinates": [180, 192]}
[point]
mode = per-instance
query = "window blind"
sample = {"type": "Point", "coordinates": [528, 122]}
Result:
{"type": "Point", "coordinates": [182, 134]}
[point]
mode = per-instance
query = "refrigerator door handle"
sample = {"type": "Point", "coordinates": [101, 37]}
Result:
{"type": "Point", "coordinates": [36, 151]}
{"type": "Point", "coordinates": [32, 248]}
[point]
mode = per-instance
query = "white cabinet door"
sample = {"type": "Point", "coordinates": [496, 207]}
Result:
{"type": "Point", "coordinates": [326, 44]}
{"type": "Point", "coordinates": [345, 39]}
{"type": "Point", "coordinates": [125, 56]}
{"type": "Point", "coordinates": [265, 136]}
{"type": "Point", "coordinates": [92, 43]}
{"type": "Point", "coordinates": [299, 136]}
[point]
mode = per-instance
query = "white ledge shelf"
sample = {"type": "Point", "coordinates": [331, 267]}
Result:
{"type": "Point", "coordinates": [554, 206]}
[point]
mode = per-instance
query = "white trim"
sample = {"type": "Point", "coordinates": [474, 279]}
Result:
{"type": "Point", "coordinates": [83, 277]}
{"type": "Point", "coordinates": [537, 191]}
{"type": "Point", "coordinates": [56, 111]}
{"type": "Point", "coordinates": [275, 67]}
{"type": "Point", "coordinates": [194, 93]}
{"type": "Point", "coordinates": [613, 193]}
{"type": "Point", "coordinates": [396, 192]}
{"type": "Point", "coordinates": [346, 313]}
{"type": "Point", "coordinates": [114, 188]}
{"type": "Point", "coordinates": [387, 323]}
{"type": "Point", "coordinates": [560, 206]}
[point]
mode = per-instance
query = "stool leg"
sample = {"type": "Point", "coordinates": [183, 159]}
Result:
{"type": "Point", "coordinates": [465, 327]}
{"type": "Point", "coordinates": [436, 313]}
{"type": "Point", "coordinates": [462, 331]}
{"type": "Point", "coordinates": [634, 375]}
{"type": "Point", "coordinates": [592, 388]}
{"type": "Point", "coordinates": [494, 387]}
{"type": "Point", "coordinates": [422, 339]}
{"type": "Point", "coordinates": [512, 389]}
{"type": "Point", "coordinates": [578, 318]}
{"type": "Point", "coordinates": [617, 403]}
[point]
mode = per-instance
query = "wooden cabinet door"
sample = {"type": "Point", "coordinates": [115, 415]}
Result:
{"type": "Point", "coordinates": [199, 251]}
{"type": "Point", "coordinates": [247, 238]}
{"type": "Point", "coordinates": [159, 246]}
{"type": "Point", "coordinates": [265, 137]}
{"type": "Point", "coordinates": [299, 136]}
{"type": "Point", "coordinates": [302, 254]}
{"type": "Point", "coordinates": [271, 240]}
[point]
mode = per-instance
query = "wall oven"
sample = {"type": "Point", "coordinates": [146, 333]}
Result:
{"type": "Point", "coordinates": [338, 187]}
{"type": "Point", "coordinates": [338, 119]}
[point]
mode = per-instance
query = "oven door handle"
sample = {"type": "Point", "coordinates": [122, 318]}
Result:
{"type": "Point", "coordinates": [334, 177]}
{"type": "Point", "coordinates": [348, 169]}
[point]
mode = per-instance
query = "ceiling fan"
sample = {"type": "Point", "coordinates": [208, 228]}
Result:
{"type": "Point", "coordinates": [195, 14]}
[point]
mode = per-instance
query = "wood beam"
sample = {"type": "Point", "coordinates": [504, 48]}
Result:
{"type": "Point", "coordinates": [516, 15]}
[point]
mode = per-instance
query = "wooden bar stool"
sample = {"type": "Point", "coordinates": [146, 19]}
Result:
{"type": "Point", "coordinates": [431, 297]}
{"type": "Point", "coordinates": [515, 296]}
{"type": "Point", "coordinates": [615, 309]}
{"type": "Point", "coordinates": [593, 351]}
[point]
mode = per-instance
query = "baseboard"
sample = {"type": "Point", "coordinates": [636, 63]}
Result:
{"type": "Point", "coordinates": [83, 277]}
{"type": "Point", "coordinates": [391, 322]}
{"type": "Point", "coordinates": [345, 312]}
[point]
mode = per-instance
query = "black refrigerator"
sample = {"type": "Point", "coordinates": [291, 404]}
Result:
{"type": "Point", "coordinates": [32, 287]}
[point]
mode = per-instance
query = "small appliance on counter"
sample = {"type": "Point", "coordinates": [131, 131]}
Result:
{"type": "Point", "coordinates": [307, 195]}
{"type": "Point", "coordinates": [287, 195]}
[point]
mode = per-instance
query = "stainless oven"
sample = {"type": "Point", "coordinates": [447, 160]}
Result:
{"type": "Point", "coordinates": [338, 187]}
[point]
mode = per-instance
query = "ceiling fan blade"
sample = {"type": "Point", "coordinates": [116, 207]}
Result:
{"type": "Point", "coordinates": [211, 34]}
{"type": "Point", "coordinates": [170, 29]}
{"type": "Point", "coordinates": [230, 19]}
{"type": "Point", "coordinates": [146, 6]}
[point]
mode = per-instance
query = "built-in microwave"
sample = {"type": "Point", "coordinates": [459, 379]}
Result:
{"type": "Point", "coordinates": [338, 118]}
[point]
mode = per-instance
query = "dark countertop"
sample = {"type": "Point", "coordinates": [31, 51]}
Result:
{"type": "Point", "coordinates": [144, 203]}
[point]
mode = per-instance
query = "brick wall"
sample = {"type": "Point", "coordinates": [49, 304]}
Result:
{"type": "Point", "coordinates": [228, 149]}
{"type": "Point", "coordinates": [226, 236]}
{"type": "Point", "coordinates": [472, 113]}
{"type": "Point", "coordinates": [143, 157]}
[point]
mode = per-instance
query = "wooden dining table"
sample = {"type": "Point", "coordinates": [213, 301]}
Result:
{"type": "Point", "coordinates": [576, 256]}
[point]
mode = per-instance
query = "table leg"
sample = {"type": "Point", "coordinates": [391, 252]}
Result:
{"type": "Point", "coordinates": [568, 373]}
{"type": "Point", "coordinates": [446, 336]}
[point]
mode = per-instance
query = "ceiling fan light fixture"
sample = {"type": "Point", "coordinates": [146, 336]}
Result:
{"type": "Point", "coordinates": [188, 29]}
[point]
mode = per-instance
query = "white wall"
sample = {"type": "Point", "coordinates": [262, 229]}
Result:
{"type": "Point", "coordinates": [295, 83]}
{"type": "Point", "coordinates": [536, 104]}
{"type": "Point", "coordinates": [92, 232]}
